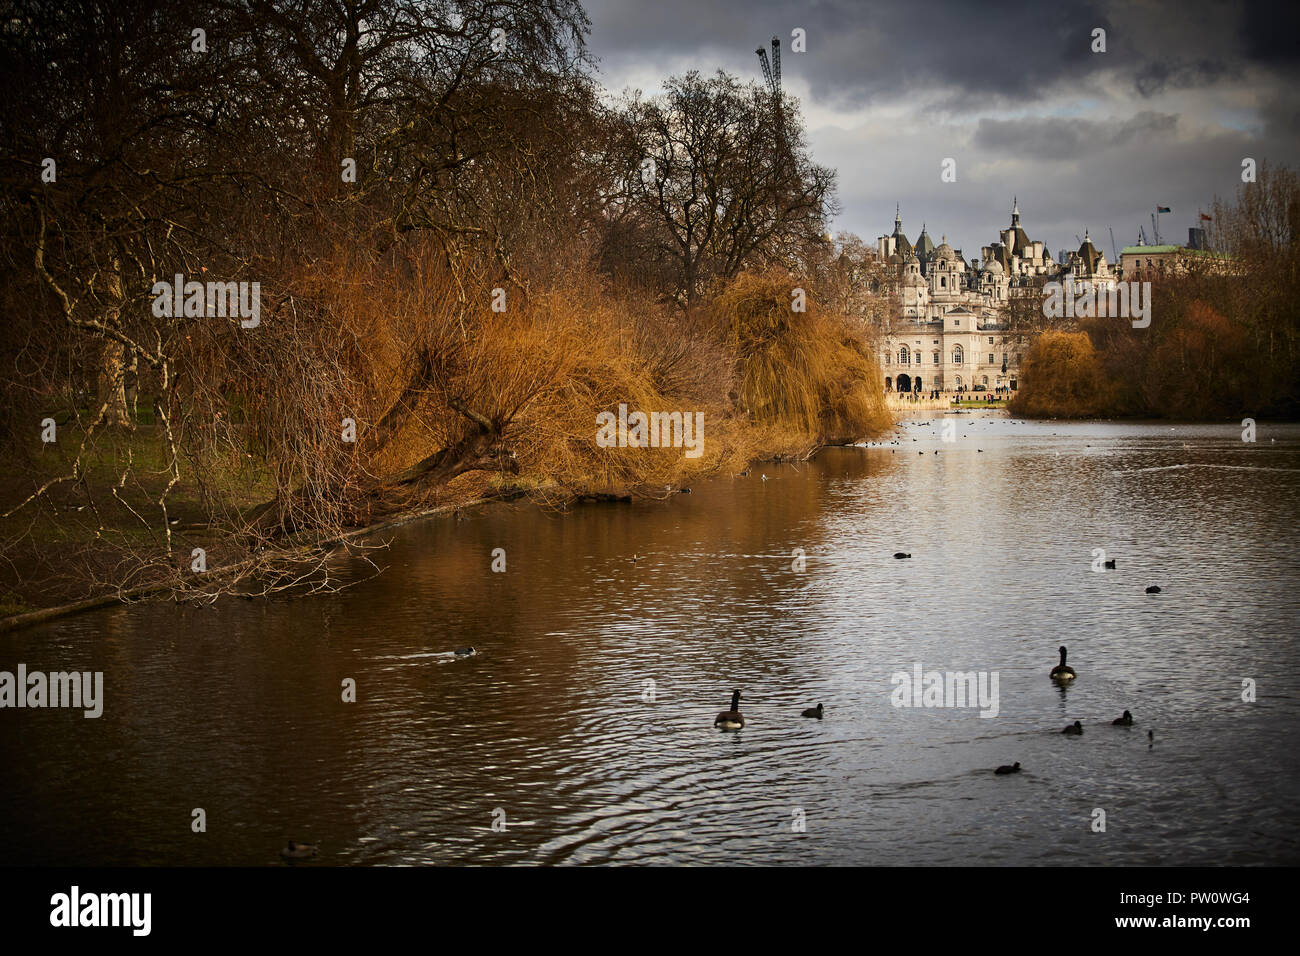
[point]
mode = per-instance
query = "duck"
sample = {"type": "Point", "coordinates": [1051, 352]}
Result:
{"type": "Point", "coordinates": [814, 712]}
{"type": "Point", "coordinates": [1061, 672]}
{"type": "Point", "coordinates": [465, 651]}
{"type": "Point", "coordinates": [731, 719]}
{"type": "Point", "coordinates": [298, 851]}
{"type": "Point", "coordinates": [1125, 721]}
{"type": "Point", "coordinates": [900, 555]}
{"type": "Point", "coordinates": [1110, 564]}
{"type": "Point", "coordinates": [1074, 730]}
{"type": "Point", "coordinates": [1151, 739]}
{"type": "Point", "coordinates": [1154, 589]}
{"type": "Point", "coordinates": [1008, 768]}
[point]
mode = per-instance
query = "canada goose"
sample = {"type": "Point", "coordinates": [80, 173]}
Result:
{"type": "Point", "coordinates": [1125, 721]}
{"type": "Point", "coordinates": [1075, 729]}
{"type": "Point", "coordinates": [686, 491]}
{"type": "Point", "coordinates": [465, 651]}
{"type": "Point", "coordinates": [814, 712]}
{"type": "Point", "coordinates": [1060, 672]}
{"type": "Point", "coordinates": [900, 555]}
{"type": "Point", "coordinates": [731, 719]}
{"type": "Point", "coordinates": [1154, 589]}
{"type": "Point", "coordinates": [1110, 564]}
{"type": "Point", "coordinates": [1004, 769]}
{"type": "Point", "coordinates": [298, 851]}
{"type": "Point", "coordinates": [745, 473]}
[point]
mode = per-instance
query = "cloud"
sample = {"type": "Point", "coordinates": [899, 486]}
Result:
{"type": "Point", "coordinates": [1012, 91]}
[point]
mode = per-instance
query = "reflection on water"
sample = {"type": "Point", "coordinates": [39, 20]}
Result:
{"type": "Point", "coordinates": [238, 709]}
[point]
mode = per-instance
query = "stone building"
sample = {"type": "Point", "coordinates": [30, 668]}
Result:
{"type": "Point", "coordinates": [949, 330]}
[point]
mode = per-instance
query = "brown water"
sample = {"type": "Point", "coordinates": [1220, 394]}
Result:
{"type": "Point", "coordinates": [237, 709]}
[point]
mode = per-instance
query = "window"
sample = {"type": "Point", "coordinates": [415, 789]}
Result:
{"type": "Point", "coordinates": [942, 281]}
{"type": "Point", "coordinates": [990, 340]}
{"type": "Point", "coordinates": [986, 381]}
{"type": "Point", "coordinates": [990, 358]}
{"type": "Point", "coordinates": [956, 356]}
{"type": "Point", "coordinates": [902, 356]}
{"type": "Point", "coordinates": [936, 356]}
{"type": "Point", "coordinates": [888, 357]}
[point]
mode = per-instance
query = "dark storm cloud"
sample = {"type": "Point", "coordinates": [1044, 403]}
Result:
{"type": "Point", "coordinates": [1012, 91]}
{"type": "Point", "coordinates": [857, 51]}
{"type": "Point", "coordinates": [1057, 138]}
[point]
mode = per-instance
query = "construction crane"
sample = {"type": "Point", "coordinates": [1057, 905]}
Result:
{"type": "Point", "coordinates": [1114, 250]}
{"type": "Point", "coordinates": [772, 73]}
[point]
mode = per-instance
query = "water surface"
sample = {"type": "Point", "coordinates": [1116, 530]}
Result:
{"type": "Point", "coordinates": [237, 708]}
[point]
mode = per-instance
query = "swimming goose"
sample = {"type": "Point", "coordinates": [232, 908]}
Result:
{"type": "Point", "coordinates": [298, 851]}
{"type": "Point", "coordinates": [1154, 589]}
{"type": "Point", "coordinates": [1125, 721]}
{"type": "Point", "coordinates": [1110, 564]}
{"type": "Point", "coordinates": [1004, 769]}
{"type": "Point", "coordinates": [465, 651]}
{"type": "Point", "coordinates": [814, 712]}
{"type": "Point", "coordinates": [731, 719]}
{"type": "Point", "coordinates": [1060, 672]}
{"type": "Point", "coordinates": [900, 555]}
{"type": "Point", "coordinates": [1075, 729]}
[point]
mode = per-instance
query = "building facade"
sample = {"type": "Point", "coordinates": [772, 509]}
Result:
{"type": "Point", "coordinates": [950, 331]}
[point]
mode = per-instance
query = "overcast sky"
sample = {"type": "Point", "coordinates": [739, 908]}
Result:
{"type": "Point", "coordinates": [1009, 90]}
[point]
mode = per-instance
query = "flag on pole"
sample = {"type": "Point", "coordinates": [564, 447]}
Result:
{"type": "Point", "coordinates": [1163, 209]}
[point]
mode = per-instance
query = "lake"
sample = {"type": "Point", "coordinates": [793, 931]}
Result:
{"type": "Point", "coordinates": [582, 732]}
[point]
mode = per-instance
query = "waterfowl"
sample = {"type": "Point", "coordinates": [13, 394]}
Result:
{"type": "Point", "coordinates": [1012, 768]}
{"type": "Point", "coordinates": [1060, 672]}
{"type": "Point", "coordinates": [745, 473]}
{"type": "Point", "coordinates": [1151, 738]}
{"type": "Point", "coordinates": [686, 491]}
{"type": "Point", "coordinates": [298, 851]}
{"type": "Point", "coordinates": [1110, 564]}
{"type": "Point", "coordinates": [764, 477]}
{"type": "Point", "coordinates": [1154, 589]}
{"type": "Point", "coordinates": [1074, 730]}
{"type": "Point", "coordinates": [731, 719]}
{"type": "Point", "coordinates": [465, 652]}
{"type": "Point", "coordinates": [814, 712]}
{"type": "Point", "coordinates": [1125, 721]}
{"type": "Point", "coordinates": [900, 555]}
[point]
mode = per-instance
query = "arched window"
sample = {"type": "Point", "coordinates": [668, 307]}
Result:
{"type": "Point", "coordinates": [902, 356]}
{"type": "Point", "coordinates": [943, 281]}
{"type": "Point", "coordinates": [957, 356]}
{"type": "Point", "coordinates": [986, 381]}
{"type": "Point", "coordinates": [956, 381]}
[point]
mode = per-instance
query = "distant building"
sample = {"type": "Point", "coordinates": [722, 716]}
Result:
{"type": "Point", "coordinates": [952, 336]}
{"type": "Point", "coordinates": [1143, 260]}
